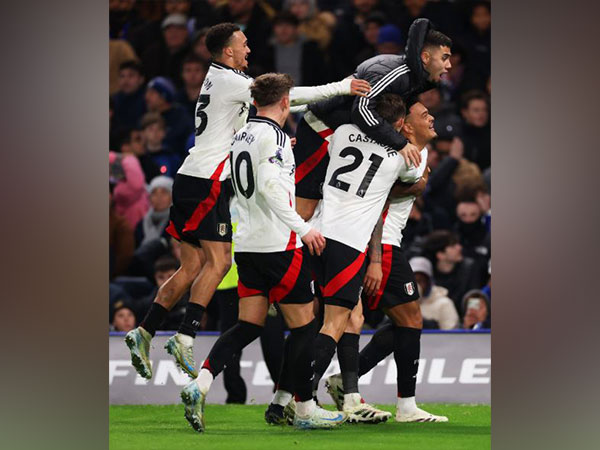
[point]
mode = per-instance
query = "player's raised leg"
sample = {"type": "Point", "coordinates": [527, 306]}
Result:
{"type": "Point", "coordinates": [253, 311]}
{"type": "Point", "coordinates": [218, 262]}
{"type": "Point", "coordinates": [138, 339]}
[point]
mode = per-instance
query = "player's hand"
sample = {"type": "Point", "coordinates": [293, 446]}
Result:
{"type": "Point", "coordinates": [411, 155]}
{"type": "Point", "coordinates": [314, 241]}
{"type": "Point", "coordinates": [373, 278]}
{"type": "Point", "coordinates": [359, 87]}
{"type": "Point", "coordinates": [293, 142]}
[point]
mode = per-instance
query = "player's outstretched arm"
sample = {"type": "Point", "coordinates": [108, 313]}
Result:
{"type": "Point", "coordinates": [302, 95]}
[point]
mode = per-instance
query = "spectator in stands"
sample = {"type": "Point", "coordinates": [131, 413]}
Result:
{"type": "Point", "coordinates": [292, 54]}
{"type": "Point", "coordinates": [193, 74]}
{"type": "Point", "coordinates": [120, 240]}
{"type": "Point", "coordinates": [477, 44]}
{"type": "Point", "coordinates": [254, 19]}
{"type": "Point", "coordinates": [418, 225]}
{"type": "Point", "coordinates": [153, 134]}
{"type": "Point", "coordinates": [476, 128]}
{"type": "Point", "coordinates": [165, 57]}
{"type": "Point", "coordinates": [389, 40]}
{"type": "Point", "coordinates": [129, 102]}
{"type": "Point", "coordinates": [476, 305]}
{"type": "Point", "coordinates": [451, 270]}
{"type": "Point", "coordinates": [471, 227]}
{"type": "Point", "coordinates": [123, 318]}
{"type": "Point", "coordinates": [443, 14]}
{"type": "Point", "coordinates": [153, 225]}
{"type": "Point", "coordinates": [437, 309]}
{"type": "Point", "coordinates": [128, 187]}
{"type": "Point", "coordinates": [182, 7]}
{"type": "Point", "coordinates": [314, 25]}
{"type": "Point", "coordinates": [132, 142]}
{"type": "Point", "coordinates": [119, 51]}
{"type": "Point", "coordinates": [127, 24]}
{"type": "Point", "coordinates": [439, 195]}
{"type": "Point", "coordinates": [199, 46]}
{"type": "Point", "coordinates": [373, 24]}
{"type": "Point", "coordinates": [160, 97]}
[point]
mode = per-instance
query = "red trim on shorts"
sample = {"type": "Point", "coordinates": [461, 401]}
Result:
{"type": "Point", "coordinates": [287, 283]}
{"type": "Point", "coordinates": [209, 202]}
{"type": "Point", "coordinates": [313, 160]}
{"type": "Point", "coordinates": [206, 365]}
{"type": "Point", "coordinates": [386, 268]}
{"type": "Point", "coordinates": [172, 231]}
{"type": "Point", "coordinates": [244, 291]}
{"type": "Point", "coordinates": [337, 282]}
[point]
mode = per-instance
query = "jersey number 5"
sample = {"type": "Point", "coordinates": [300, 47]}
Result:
{"type": "Point", "coordinates": [376, 161]}
{"type": "Point", "coordinates": [235, 173]}
{"type": "Point", "coordinates": [203, 102]}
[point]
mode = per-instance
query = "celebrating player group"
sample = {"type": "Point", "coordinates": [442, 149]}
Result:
{"type": "Point", "coordinates": [320, 220]}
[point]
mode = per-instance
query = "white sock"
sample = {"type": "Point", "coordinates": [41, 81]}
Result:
{"type": "Point", "coordinates": [186, 340]}
{"type": "Point", "coordinates": [281, 398]}
{"type": "Point", "coordinates": [306, 408]}
{"type": "Point", "coordinates": [406, 405]}
{"type": "Point", "coordinates": [204, 380]}
{"type": "Point", "coordinates": [352, 400]}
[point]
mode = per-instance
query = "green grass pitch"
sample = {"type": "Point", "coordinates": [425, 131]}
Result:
{"type": "Point", "coordinates": [236, 427]}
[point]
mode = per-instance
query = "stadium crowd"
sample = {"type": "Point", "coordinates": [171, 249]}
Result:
{"type": "Point", "coordinates": [158, 60]}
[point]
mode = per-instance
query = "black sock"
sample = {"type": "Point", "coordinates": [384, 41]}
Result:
{"type": "Point", "coordinates": [324, 351]}
{"type": "Point", "coordinates": [347, 349]}
{"type": "Point", "coordinates": [302, 349]}
{"type": "Point", "coordinates": [286, 373]}
{"type": "Point", "coordinates": [154, 318]}
{"type": "Point", "coordinates": [231, 342]}
{"type": "Point", "coordinates": [378, 348]}
{"type": "Point", "coordinates": [192, 319]}
{"type": "Point", "coordinates": [407, 348]}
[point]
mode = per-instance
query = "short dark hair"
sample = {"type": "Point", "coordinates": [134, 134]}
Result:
{"type": "Point", "coordinates": [165, 263]}
{"type": "Point", "coordinates": [473, 94]}
{"type": "Point", "coordinates": [390, 107]}
{"type": "Point", "coordinates": [436, 38]}
{"type": "Point", "coordinates": [270, 87]}
{"type": "Point", "coordinates": [132, 65]}
{"type": "Point", "coordinates": [286, 17]}
{"type": "Point", "coordinates": [437, 241]}
{"type": "Point", "coordinates": [218, 37]}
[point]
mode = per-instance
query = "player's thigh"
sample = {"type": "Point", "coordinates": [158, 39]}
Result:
{"type": "Point", "coordinates": [217, 252]}
{"type": "Point", "coordinates": [356, 320]}
{"type": "Point", "coordinates": [254, 309]}
{"type": "Point", "coordinates": [192, 259]}
{"type": "Point", "coordinates": [305, 207]}
{"type": "Point", "coordinates": [406, 315]}
{"type": "Point", "coordinates": [296, 314]}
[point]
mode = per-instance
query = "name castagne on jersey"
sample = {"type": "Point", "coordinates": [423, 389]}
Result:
{"type": "Point", "coordinates": [359, 137]}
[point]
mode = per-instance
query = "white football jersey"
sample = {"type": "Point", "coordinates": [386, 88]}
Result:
{"type": "Point", "coordinates": [263, 176]}
{"type": "Point", "coordinates": [396, 216]}
{"type": "Point", "coordinates": [222, 110]}
{"type": "Point", "coordinates": [359, 177]}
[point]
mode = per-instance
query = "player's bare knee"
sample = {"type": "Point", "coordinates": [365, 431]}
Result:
{"type": "Point", "coordinates": [355, 323]}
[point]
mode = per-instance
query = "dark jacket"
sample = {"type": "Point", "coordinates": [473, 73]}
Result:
{"type": "Point", "coordinates": [398, 74]}
{"type": "Point", "coordinates": [129, 108]}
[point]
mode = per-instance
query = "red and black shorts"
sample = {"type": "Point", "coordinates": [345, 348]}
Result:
{"type": "Point", "coordinates": [282, 277]}
{"type": "Point", "coordinates": [398, 285]}
{"type": "Point", "coordinates": [340, 272]}
{"type": "Point", "coordinates": [310, 153]}
{"type": "Point", "coordinates": [200, 210]}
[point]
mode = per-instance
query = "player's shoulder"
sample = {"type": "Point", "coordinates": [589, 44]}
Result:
{"type": "Point", "coordinates": [348, 131]}
{"type": "Point", "coordinates": [382, 64]}
{"type": "Point", "coordinates": [230, 75]}
{"type": "Point", "coordinates": [269, 129]}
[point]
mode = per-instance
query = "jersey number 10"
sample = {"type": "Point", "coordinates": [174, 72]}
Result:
{"type": "Point", "coordinates": [376, 161]}
{"type": "Point", "coordinates": [235, 174]}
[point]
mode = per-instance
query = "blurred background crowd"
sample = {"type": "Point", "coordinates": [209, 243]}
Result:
{"type": "Point", "coordinates": [158, 61]}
